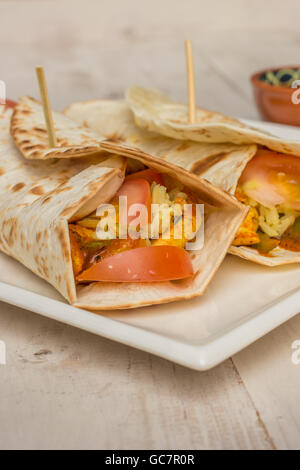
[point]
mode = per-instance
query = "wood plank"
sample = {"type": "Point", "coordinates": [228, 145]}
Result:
{"type": "Point", "coordinates": [273, 382]}
{"type": "Point", "coordinates": [65, 388]}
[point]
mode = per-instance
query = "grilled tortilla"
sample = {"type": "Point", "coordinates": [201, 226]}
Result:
{"type": "Point", "coordinates": [156, 112]}
{"type": "Point", "coordinates": [40, 198]}
{"type": "Point", "coordinates": [29, 132]}
{"type": "Point", "coordinates": [220, 163]}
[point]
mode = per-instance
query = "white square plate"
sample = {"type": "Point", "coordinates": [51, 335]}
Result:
{"type": "Point", "coordinates": [243, 302]}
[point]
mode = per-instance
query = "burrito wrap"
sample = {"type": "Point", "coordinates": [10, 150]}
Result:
{"type": "Point", "coordinates": [39, 198]}
{"type": "Point", "coordinates": [219, 163]}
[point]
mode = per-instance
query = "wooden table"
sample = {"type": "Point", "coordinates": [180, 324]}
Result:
{"type": "Point", "coordinates": [64, 388]}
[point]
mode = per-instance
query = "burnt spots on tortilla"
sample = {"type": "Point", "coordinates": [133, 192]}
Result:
{"type": "Point", "coordinates": [22, 239]}
{"type": "Point", "coordinates": [62, 180]}
{"type": "Point", "coordinates": [183, 146]}
{"type": "Point", "coordinates": [88, 148]}
{"type": "Point", "coordinates": [36, 153]}
{"type": "Point", "coordinates": [38, 236]}
{"type": "Point", "coordinates": [4, 238]}
{"type": "Point", "coordinates": [116, 137]}
{"type": "Point", "coordinates": [62, 142]}
{"type": "Point", "coordinates": [34, 147]}
{"type": "Point", "coordinates": [18, 131]}
{"type": "Point", "coordinates": [46, 271]}
{"type": "Point", "coordinates": [203, 132]}
{"type": "Point", "coordinates": [18, 187]}
{"type": "Point", "coordinates": [39, 129]}
{"type": "Point", "coordinates": [64, 241]}
{"type": "Point", "coordinates": [12, 235]}
{"type": "Point", "coordinates": [40, 271]}
{"type": "Point", "coordinates": [61, 190]}
{"type": "Point", "coordinates": [38, 190]}
{"type": "Point", "coordinates": [2, 171]}
{"type": "Point", "coordinates": [46, 200]}
{"type": "Point", "coordinates": [44, 267]}
{"type": "Point", "coordinates": [67, 211]}
{"type": "Point", "coordinates": [203, 165]}
{"type": "Point", "coordinates": [46, 238]}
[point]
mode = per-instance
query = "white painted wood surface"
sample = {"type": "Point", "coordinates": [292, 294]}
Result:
{"type": "Point", "coordinates": [64, 388]}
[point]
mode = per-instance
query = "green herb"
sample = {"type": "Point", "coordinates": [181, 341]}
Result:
{"type": "Point", "coordinates": [296, 226]}
{"type": "Point", "coordinates": [266, 243]}
{"type": "Point", "coordinates": [281, 77]}
{"type": "Point", "coordinates": [96, 245]}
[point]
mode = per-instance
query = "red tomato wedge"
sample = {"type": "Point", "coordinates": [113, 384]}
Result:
{"type": "Point", "coordinates": [148, 175]}
{"type": "Point", "coordinates": [272, 178]}
{"type": "Point", "coordinates": [10, 103]}
{"type": "Point", "coordinates": [149, 264]}
{"type": "Point", "coordinates": [137, 191]}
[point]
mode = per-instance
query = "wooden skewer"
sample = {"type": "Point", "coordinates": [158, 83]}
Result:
{"type": "Point", "coordinates": [46, 106]}
{"type": "Point", "coordinates": [190, 81]}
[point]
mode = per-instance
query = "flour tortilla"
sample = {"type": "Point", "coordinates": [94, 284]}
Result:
{"type": "Point", "coordinates": [156, 112]}
{"type": "Point", "coordinates": [223, 216]}
{"type": "Point", "coordinates": [29, 132]}
{"type": "Point", "coordinates": [221, 164]}
{"type": "Point", "coordinates": [38, 198]}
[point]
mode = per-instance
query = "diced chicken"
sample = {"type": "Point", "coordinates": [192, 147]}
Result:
{"type": "Point", "coordinates": [86, 234]}
{"type": "Point", "coordinates": [78, 252]}
{"type": "Point", "coordinates": [247, 233]}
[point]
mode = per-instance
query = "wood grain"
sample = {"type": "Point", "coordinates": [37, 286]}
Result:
{"type": "Point", "coordinates": [64, 388]}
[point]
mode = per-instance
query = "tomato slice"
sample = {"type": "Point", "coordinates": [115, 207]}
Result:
{"type": "Point", "coordinates": [148, 175]}
{"type": "Point", "coordinates": [10, 103]}
{"type": "Point", "coordinates": [149, 264]}
{"type": "Point", "coordinates": [272, 178]}
{"type": "Point", "coordinates": [137, 191]}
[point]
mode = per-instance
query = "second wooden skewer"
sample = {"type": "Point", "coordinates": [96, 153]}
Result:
{"type": "Point", "coordinates": [190, 81]}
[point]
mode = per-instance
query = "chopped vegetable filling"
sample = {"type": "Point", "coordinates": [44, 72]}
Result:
{"type": "Point", "coordinates": [270, 185]}
{"type": "Point", "coordinates": [137, 258]}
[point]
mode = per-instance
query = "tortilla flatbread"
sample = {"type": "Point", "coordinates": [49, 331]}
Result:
{"type": "Point", "coordinates": [156, 112]}
{"type": "Point", "coordinates": [220, 164]}
{"type": "Point", "coordinates": [29, 132]}
{"type": "Point", "coordinates": [39, 198]}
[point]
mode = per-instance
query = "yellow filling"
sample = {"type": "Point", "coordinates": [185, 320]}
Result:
{"type": "Point", "coordinates": [273, 222]}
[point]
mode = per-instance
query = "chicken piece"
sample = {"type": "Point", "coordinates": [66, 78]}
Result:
{"type": "Point", "coordinates": [241, 196]}
{"type": "Point", "coordinates": [87, 235]}
{"type": "Point", "coordinates": [247, 233]}
{"type": "Point", "coordinates": [179, 242]}
{"type": "Point", "coordinates": [78, 252]}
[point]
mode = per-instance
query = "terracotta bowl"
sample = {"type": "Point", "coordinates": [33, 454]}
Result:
{"type": "Point", "coordinates": [275, 102]}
